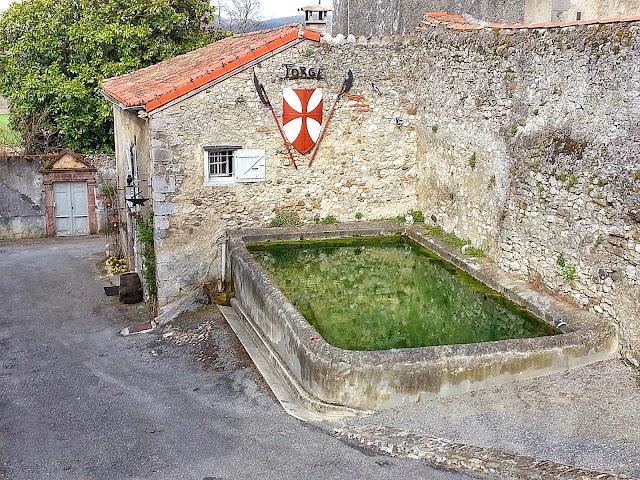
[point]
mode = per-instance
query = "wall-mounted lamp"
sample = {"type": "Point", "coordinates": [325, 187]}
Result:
{"type": "Point", "coordinates": [136, 200]}
{"type": "Point", "coordinates": [115, 222]}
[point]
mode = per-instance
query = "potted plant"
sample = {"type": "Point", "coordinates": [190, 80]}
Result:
{"type": "Point", "coordinates": [108, 190]}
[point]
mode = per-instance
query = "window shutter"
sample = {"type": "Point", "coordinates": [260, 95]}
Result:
{"type": "Point", "coordinates": [250, 165]}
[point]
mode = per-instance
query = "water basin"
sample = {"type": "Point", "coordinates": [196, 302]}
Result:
{"type": "Point", "coordinates": [368, 377]}
{"type": "Point", "coordinates": [381, 293]}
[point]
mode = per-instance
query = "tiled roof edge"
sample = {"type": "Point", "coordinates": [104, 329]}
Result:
{"type": "Point", "coordinates": [458, 22]}
{"type": "Point", "coordinates": [261, 47]}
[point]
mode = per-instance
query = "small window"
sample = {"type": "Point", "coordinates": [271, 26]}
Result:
{"type": "Point", "coordinates": [229, 164]}
{"type": "Point", "coordinates": [578, 15]}
{"type": "Point", "coordinates": [220, 163]}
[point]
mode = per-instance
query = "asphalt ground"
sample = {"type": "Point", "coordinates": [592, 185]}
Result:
{"type": "Point", "coordinates": [79, 401]}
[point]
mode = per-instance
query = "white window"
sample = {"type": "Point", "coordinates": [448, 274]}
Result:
{"type": "Point", "coordinates": [229, 164]}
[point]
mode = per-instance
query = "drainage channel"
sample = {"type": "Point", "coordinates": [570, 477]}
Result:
{"type": "Point", "coordinates": [292, 397]}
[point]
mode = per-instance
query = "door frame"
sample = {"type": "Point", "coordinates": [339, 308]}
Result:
{"type": "Point", "coordinates": [78, 223]}
{"type": "Point", "coordinates": [80, 172]}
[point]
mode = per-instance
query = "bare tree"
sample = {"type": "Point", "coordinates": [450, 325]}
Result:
{"type": "Point", "coordinates": [240, 15]}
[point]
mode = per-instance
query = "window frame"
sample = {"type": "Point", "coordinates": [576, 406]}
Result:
{"type": "Point", "coordinates": [219, 179]}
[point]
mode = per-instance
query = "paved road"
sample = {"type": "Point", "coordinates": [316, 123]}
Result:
{"type": "Point", "coordinates": [78, 401]}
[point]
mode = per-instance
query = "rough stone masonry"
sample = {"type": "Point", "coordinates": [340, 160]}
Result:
{"type": "Point", "coordinates": [523, 140]}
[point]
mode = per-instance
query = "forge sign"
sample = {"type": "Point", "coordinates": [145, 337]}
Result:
{"type": "Point", "coordinates": [302, 117]}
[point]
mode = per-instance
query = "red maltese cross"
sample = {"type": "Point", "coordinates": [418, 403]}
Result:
{"type": "Point", "coordinates": [302, 117]}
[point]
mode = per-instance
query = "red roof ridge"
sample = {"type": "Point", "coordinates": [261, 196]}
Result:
{"type": "Point", "coordinates": [152, 87]}
{"type": "Point", "coordinates": [458, 22]}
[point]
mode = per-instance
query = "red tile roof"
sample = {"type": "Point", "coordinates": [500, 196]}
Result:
{"type": "Point", "coordinates": [458, 22]}
{"type": "Point", "coordinates": [155, 86]}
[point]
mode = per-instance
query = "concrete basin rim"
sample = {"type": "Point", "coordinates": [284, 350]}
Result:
{"type": "Point", "coordinates": [586, 330]}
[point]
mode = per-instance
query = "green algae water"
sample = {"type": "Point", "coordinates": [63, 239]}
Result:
{"type": "Point", "coordinates": [389, 292]}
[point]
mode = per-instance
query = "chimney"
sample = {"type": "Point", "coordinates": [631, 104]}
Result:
{"type": "Point", "coordinates": [315, 17]}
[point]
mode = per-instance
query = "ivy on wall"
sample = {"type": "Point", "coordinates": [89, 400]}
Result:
{"type": "Point", "coordinates": [148, 254]}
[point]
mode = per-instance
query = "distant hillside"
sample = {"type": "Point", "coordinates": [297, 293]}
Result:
{"type": "Point", "coordinates": [227, 24]}
{"type": "Point", "coordinates": [277, 22]}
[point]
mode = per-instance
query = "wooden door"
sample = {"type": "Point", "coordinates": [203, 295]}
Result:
{"type": "Point", "coordinates": [71, 208]}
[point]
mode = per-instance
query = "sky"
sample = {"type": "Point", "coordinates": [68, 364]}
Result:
{"type": "Point", "coordinates": [270, 8]}
{"type": "Point", "coordinates": [286, 8]}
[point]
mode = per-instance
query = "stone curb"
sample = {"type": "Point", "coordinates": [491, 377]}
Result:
{"type": "Point", "coordinates": [486, 462]}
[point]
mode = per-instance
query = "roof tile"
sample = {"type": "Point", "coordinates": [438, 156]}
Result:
{"type": "Point", "coordinates": [457, 22]}
{"type": "Point", "coordinates": [154, 86]}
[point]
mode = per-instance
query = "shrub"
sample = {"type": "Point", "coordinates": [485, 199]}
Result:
{"type": "Point", "coordinates": [329, 220]}
{"type": "Point", "coordinates": [418, 216]}
{"type": "Point", "coordinates": [285, 218]}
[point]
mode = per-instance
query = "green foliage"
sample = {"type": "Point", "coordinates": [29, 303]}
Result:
{"type": "Point", "coordinates": [56, 53]}
{"type": "Point", "coordinates": [418, 216]}
{"type": "Point", "coordinates": [434, 128]}
{"type": "Point", "coordinates": [473, 159]}
{"type": "Point", "coordinates": [448, 237]}
{"type": "Point", "coordinates": [108, 190]}
{"type": "Point", "coordinates": [329, 220]}
{"type": "Point", "coordinates": [514, 129]}
{"type": "Point", "coordinates": [474, 252]}
{"type": "Point", "coordinates": [359, 215]}
{"type": "Point", "coordinates": [572, 181]}
{"type": "Point", "coordinates": [145, 230]}
{"type": "Point", "coordinates": [569, 273]}
{"type": "Point", "coordinates": [148, 254]}
{"type": "Point", "coordinates": [567, 270]}
{"type": "Point", "coordinates": [8, 136]}
{"type": "Point", "coordinates": [285, 218]}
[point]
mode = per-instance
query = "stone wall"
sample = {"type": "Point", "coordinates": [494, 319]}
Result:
{"type": "Point", "coordinates": [523, 140]}
{"type": "Point", "coordinates": [364, 17]}
{"type": "Point", "coordinates": [365, 167]}
{"type": "Point", "coordinates": [22, 205]}
{"type": "Point", "coordinates": [567, 10]}
{"type": "Point", "coordinates": [130, 129]}
{"type": "Point", "coordinates": [22, 198]}
{"type": "Point", "coordinates": [105, 165]}
{"type": "Point", "coordinates": [530, 146]}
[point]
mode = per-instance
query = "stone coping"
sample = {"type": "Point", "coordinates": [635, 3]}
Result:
{"type": "Point", "coordinates": [382, 379]}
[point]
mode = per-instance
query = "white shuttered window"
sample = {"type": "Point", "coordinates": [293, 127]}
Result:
{"type": "Point", "coordinates": [229, 164]}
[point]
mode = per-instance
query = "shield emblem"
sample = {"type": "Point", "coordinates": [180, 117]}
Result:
{"type": "Point", "coordinates": [302, 117]}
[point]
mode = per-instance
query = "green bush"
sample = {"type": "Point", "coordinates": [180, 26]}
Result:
{"type": "Point", "coordinates": [285, 218]}
{"type": "Point", "coordinates": [329, 220]}
{"type": "Point", "coordinates": [418, 216]}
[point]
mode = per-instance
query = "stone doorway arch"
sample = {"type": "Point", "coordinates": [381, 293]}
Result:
{"type": "Point", "coordinates": [70, 172]}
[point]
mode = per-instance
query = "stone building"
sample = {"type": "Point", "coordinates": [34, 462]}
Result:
{"type": "Point", "coordinates": [365, 17]}
{"type": "Point", "coordinates": [521, 138]}
{"type": "Point", "coordinates": [194, 137]}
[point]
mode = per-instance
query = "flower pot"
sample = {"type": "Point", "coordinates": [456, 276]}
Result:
{"type": "Point", "coordinates": [130, 288]}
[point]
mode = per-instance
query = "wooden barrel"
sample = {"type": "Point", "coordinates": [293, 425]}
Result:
{"type": "Point", "coordinates": [130, 288]}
